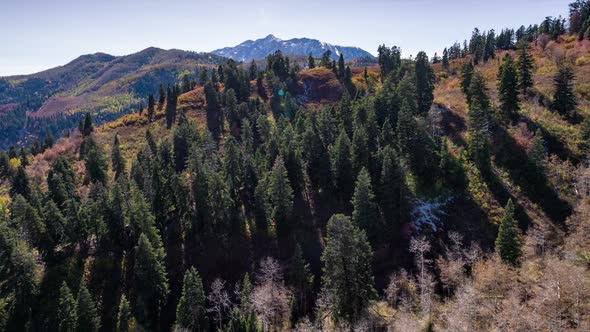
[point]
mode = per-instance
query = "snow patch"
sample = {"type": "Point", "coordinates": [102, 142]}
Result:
{"type": "Point", "coordinates": [428, 212]}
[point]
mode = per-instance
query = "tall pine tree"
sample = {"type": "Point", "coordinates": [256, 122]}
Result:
{"type": "Point", "coordinates": [508, 241]}
{"type": "Point", "coordinates": [508, 88]}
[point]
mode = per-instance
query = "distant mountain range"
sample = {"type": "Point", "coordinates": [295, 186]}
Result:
{"type": "Point", "coordinates": [260, 48]}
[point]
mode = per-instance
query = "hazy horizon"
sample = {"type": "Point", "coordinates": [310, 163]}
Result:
{"type": "Point", "coordinates": [45, 35]}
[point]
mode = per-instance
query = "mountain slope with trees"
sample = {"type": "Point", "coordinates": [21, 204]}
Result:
{"type": "Point", "coordinates": [446, 193]}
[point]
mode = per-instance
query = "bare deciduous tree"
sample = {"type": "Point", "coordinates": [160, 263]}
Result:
{"type": "Point", "coordinates": [270, 298]}
{"type": "Point", "coordinates": [219, 301]}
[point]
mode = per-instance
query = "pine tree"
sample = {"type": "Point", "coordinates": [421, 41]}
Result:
{"type": "Point", "coordinates": [326, 59]}
{"type": "Point", "coordinates": [253, 70]}
{"type": "Point", "coordinates": [88, 126]}
{"type": "Point", "coordinates": [124, 315]}
{"type": "Point", "coordinates": [191, 312]}
{"type": "Point", "coordinates": [341, 165]}
{"type": "Point", "coordinates": [466, 76]}
{"type": "Point", "coordinates": [479, 110]}
{"type": "Point", "coordinates": [280, 194]}
{"type": "Point", "coordinates": [88, 317]}
{"type": "Point", "coordinates": [424, 83]}
{"type": "Point", "coordinates": [508, 241]}
{"type": "Point", "coordinates": [564, 99]}
{"type": "Point", "coordinates": [392, 195]}
{"type": "Point", "coordinates": [117, 158]}
{"type": "Point", "coordinates": [538, 154]}
{"type": "Point", "coordinates": [525, 67]}
{"type": "Point", "coordinates": [347, 275]}
{"type": "Point", "coordinates": [214, 113]}
{"type": "Point", "coordinates": [341, 68]}
{"type": "Point", "coordinates": [161, 95]}
{"type": "Point", "coordinates": [508, 88]}
{"type": "Point", "coordinates": [310, 61]}
{"type": "Point", "coordinates": [171, 99]}
{"type": "Point", "coordinates": [151, 281]}
{"type": "Point", "coordinates": [95, 161]}
{"type": "Point", "coordinates": [20, 183]}
{"type": "Point", "coordinates": [365, 213]}
{"type": "Point", "coordinates": [66, 314]}
{"type": "Point", "coordinates": [203, 76]}
{"type": "Point", "coordinates": [445, 59]}
{"type": "Point", "coordinates": [49, 140]}
{"type": "Point", "coordinates": [360, 149]}
{"type": "Point", "coordinates": [302, 281]}
{"type": "Point", "coordinates": [151, 105]}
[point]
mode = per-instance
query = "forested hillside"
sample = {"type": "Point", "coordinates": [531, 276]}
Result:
{"type": "Point", "coordinates": [449, 193]}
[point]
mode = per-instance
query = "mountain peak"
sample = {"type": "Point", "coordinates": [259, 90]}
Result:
{"type": "Point", "coordinates": [260, 48]}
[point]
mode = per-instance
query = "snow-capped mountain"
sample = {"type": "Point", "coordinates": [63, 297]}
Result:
{"type": "Point", "coordinates": [260, 48]}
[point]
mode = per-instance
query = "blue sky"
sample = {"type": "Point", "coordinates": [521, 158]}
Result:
{"type": "Point", "coordinates": [40, 34]}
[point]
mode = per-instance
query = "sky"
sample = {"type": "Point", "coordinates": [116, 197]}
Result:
{"type": "Point", "coordinates": [41, 34]}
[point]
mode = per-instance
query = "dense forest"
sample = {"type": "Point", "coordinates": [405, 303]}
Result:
{"type": "Point", "coordinates": [448, 193]}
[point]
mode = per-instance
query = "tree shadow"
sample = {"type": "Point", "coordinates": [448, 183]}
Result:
{"type": "Point", "coordinates": [534, 183]}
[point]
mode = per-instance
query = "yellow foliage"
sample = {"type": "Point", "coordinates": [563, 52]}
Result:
{"type": "Point", "coordinates": [14, 163]}
{"type": "Point", "coordinates": [583, 60]}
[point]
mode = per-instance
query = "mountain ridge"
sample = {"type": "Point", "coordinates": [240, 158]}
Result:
{"type": "Point", "coordinates": [260, 48]}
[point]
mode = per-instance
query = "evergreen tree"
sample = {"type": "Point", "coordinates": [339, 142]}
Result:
{"type": "Point", "coordinates": [190, 312]}
{"type": "Point", "coordinates": [392, 194]}
{"type": "Point", "coordinates": [564, 99]}
{"type": "Point", "coordinates": [360, 149]}
{"type": "Point", "coordinates": [253, 70]}
{"type": "Point", "coordinates": [479, 110]}
{"type": "Point", "coordinates": [95, 161]}
{"type": "Point", "coordinates": [310, 61]}
{"type": "Point", "coordinates": [88, 126]}
{"type": "Point", "coordinates": [302, 281]}
{"type": "Point", "coordinates": [49, 140]}
{"type": "Point", "coordinates": [341, 68]}
{"type": "Point", "coordinates": [466, 76]}
{"type": "Point", "coordinates": [347, 275]}
{"type": "Point", "coordinates": [151, 281]}
{"type": "Point", "coordinates": [508, 241]}
{"type": "Point", "coordinates": [508, 88]}
{"type": "Point", "coordinates": [525, 68]}
{"type": "Point", "coordinates": [365, 213]}
{"type": "Point", "coordinates": [445, 59]}
{"type": "Point", "coordinates": [66, 314]}
{"type": "Point", "coordinates": [20, 183]}
{"type": "Point", "coordinates": [88, 317]}
{"type": "Point", "coordinates": [214, 113]}
{"type": "Point", "coordinates": [203, 77]}
{"type": "Point", "coordinates": [171, 99]}
{"type": "Point", "coordinates": [117, 158]}
{"type": "Point", "coordinates": [341, 165]}
{"type": "Point", "coordinates": [161, 95]}
{"type": "Point", "coordinates": [124, 315]}
{"type": "Point", "coordinates": [151, 105]}
{"type": "Point", "coordinates": [538, 154]}
{"type": "Point", "coordinates": [326, 59]}
{"type": "Point", "coordinates": [424, 83]}
{"type": "Point", "coordinates": [280, 194]}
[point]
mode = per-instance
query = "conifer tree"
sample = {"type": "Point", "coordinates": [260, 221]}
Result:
{"type": "Point", "coordinates": [525, 67]}
{"type": "Point", "coordinates": [445, 59]}
{"type": "Point", "coordinates": [508, 241]}
{"type": "Point", "coordinates": [479, 110]}
{"type": "Point", "coordinates": [564, 99]}
{"type": "Point", "coordinates": [280, 194]}
{"type": "Point", "coordinates": [214, 113]}
{"type": "Point", "coordinates": [124, 315]}
{"type": "Point", "coordinates": [326, 59]}
{"type": "Point", "coordinates": [151, 106]}
{"type": "Point", "coordinates": [151, 281]}
{"type": "Point", "coordinates": [203, 76]}
{"type": "Point", "coordinates": [302, 281]}
{"type": "Point", "coordinates": [66, 314]}
{"type": "Point", "coordinates": [310, 61]}
{"type": "Point", "coordinates": [117, 158]}
{"type": "Point", "coordinates": [424, 83]}
{"type": "Point", "coordinates": [365, 213]}
{"type": "Point", "coordinates": [49, 140]}
{"type": "Point", "coordinates": [360, 149]}
{"type": "Point", "coordinates": [95, 161]}
{"type": "Point", "coordinates": [191, 312]}
{"type": "Point", "coordinates": [161, 95]}
{"type": "Point", "coordinates": [347, 275]}
{"type": "Point", "coordinates": [253, 70]}
{"type": "Point", "coordinates": [508, 88]}
{"type": "Point", "coordinates": [88, 126]}
{"type": "Point", "coordinates": [341, 165]}
{"type": "Point", "coordinates": [341, 68]}
{"type": "Point", "coordinates": [392, 195]}
{"type": "Point", "coordinates": [20, 183]}
{"type": "Point", "coordinates": [466, 76]}
{"type": "Point", "coordinates": [88, 318]}
{"type": "Point", "coordinates": [538, 154]}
